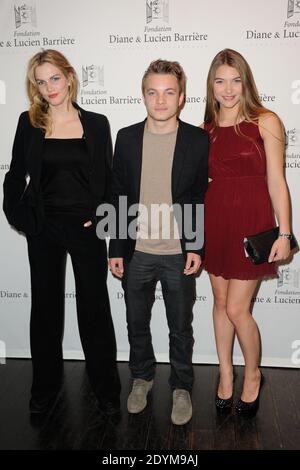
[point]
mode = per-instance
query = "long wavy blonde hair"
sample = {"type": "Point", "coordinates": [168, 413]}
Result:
{"type": "Point", "coordinates": [250, 106]}
{"type": "Point", "coordinates": [38, 110]}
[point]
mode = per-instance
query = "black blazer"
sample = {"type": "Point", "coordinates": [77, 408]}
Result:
{"type": "Point", "coordinates": [23, 204]}
{"type": "Point", "coordinates": [189, 176]}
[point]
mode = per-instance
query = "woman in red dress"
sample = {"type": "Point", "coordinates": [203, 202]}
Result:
{"type": "Point", "coordinates": [246, 185]}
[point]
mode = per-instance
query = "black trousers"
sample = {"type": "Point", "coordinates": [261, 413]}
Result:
{"type": "Point", "coordinates": [64, 234]}
{"type": "Point", "coordinates": [140, 277]}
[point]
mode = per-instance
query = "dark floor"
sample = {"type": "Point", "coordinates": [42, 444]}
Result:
{"type": "Point", "coordinates": [75, 422]}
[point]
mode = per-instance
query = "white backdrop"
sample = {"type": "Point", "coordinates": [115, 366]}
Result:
{"type": "Point", "coordinates": [111, 44]}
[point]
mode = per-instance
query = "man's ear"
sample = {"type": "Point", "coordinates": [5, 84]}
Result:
{"type": "Point", "coordinates": [181, 98]}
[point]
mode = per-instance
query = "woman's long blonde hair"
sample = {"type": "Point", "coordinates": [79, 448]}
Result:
{"type": "Point", "coordinates": [38, 110]}
{"type": "Point", "coordinates": [250, 105]}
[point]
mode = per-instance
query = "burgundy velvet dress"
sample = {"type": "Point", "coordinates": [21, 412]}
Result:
{"type": "Point", "coordinates": [237, 202]}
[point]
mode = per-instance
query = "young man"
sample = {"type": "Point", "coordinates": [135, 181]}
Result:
{"type": "Point", "coordinates": [160, 161]}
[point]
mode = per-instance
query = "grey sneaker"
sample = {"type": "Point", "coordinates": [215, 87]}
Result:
{"type": "Point", "coordinates": [137, 399]}
{"type": "Point", "coordinates": [182, 407]}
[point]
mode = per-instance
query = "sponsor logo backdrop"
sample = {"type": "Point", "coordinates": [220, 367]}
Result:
{"type": "Point", "coordinates": [110, 45]}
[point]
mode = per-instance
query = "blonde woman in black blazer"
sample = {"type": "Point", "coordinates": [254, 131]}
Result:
{"type": "Point", "coordinates": [66, 152]}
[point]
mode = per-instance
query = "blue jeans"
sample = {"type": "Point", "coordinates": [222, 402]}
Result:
{"type": "Point", "coordinates": [140, 277]}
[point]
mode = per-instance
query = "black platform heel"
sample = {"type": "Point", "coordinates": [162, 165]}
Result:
{"type": "Point", "coordinates": [250, 408]}
{"type": "Point", "coordinates": [224, 404]}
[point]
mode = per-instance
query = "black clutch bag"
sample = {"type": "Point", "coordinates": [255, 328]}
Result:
{"type": "Point", "coordinates": [258, 246]}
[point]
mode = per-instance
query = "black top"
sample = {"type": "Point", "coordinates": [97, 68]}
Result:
{"type": "Point", "coordinates": [23, 203]}
{"type": "Point", "coordinates": [65, 176]}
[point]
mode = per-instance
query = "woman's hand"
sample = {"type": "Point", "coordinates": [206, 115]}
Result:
{"type": "Point", "coordinates": [88, 223]}
{"type": "Point", "coordinates": [280, 250]}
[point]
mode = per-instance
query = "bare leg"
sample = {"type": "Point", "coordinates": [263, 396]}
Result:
{"type": "Point", "coordinates": [224, 334]}
{"type": "Point", "coordinates": [238, 310]}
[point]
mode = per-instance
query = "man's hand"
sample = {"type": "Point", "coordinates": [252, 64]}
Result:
{"type": "Point", "coordinates": [116, 266]}
{"type": "Point", "coordinates": [193, 263]}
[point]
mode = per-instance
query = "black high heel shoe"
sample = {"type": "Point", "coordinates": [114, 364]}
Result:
{"type": "Point", "coordinates": [249, 408]}
{"type": "Point", "coordinates": [224, 404]}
